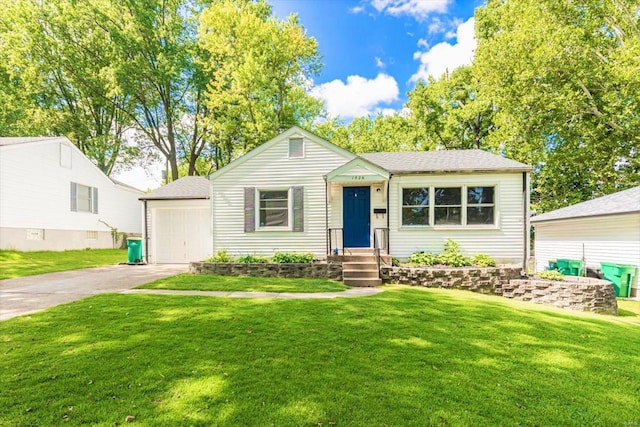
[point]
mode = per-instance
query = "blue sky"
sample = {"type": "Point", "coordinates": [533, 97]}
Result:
{"type": "Point", "coordinates": [374, 51]}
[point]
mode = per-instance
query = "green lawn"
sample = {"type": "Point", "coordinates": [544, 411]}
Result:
{"type": "Point", "coordinates": [18, 264]}
{"type": "Point", "coordinates": [405, 357]}
{"type": "Point", "coordinates": [205, 282]}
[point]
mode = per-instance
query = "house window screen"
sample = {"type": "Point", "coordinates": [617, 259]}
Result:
{"type": "Point", "coordinates": [296, 148]}
{"type": "Point", "coordinates": [415, 206]}
{"type": "Point", "coordinates": [274, 208]}
{"type": "Point", "coordinates": [448, 206]}
{"type": "Point", "coordinates": [480, 205]}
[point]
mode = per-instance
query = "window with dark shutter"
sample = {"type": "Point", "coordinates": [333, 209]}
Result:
{"type": "Point", "coordinates": [249, 209]}
{"type": "Point", "coordinates": [74, 197]}
{"type": "Point", "coordinates": [298, 209]}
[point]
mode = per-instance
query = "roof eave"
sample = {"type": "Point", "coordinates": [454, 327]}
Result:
{"type": "Point", "coordinates": [533, 220]}
{"type": "Point", "coordinates": [484, 170]}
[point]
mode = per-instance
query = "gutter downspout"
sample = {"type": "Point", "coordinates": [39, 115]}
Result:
{"type": "Point", "coordinates": [388, 215]}
{"type": "Point", "coordinates": [146, 234]}
{"type": "Point", "coordinates": [326, 216]}
{"type": "Point", "coordinates": [525, 221]}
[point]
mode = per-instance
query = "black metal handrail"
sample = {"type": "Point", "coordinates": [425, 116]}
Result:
{"type": "Point", "coordinates": [384, 237]}
{"type": "Point", "coordinates": [339, 242]}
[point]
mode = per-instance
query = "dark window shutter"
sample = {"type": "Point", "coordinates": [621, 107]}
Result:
{"type": "Point", "coordinates": [298, 208]}
{"type": "Point", "coordinates": [94, 201]}
{"type": "Point", "coordinates": [74, 197]}
{"type": "Point", "coordinates": [249, 209]}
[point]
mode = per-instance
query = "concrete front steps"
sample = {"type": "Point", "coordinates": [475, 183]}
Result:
{"type": "Point", "coordinates": [359, 267]}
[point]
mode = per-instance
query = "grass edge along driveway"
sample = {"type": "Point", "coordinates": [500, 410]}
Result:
{"type": "Point", "coordinates": [407, 356]}
{"type": "Point", "coordinates": [19, 264]}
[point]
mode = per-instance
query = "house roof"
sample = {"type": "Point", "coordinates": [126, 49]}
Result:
{"type": "Point", "coordinates": [188, 187]}
{"type": "Point", "coordinates": [443, 161]}
{"type": "Point", "coordinates": [622, 202]}
{"type": "Point", "coordinates": [25, 140]}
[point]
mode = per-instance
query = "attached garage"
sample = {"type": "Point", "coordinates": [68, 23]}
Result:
{"type": "Point", "coordinates": [178, 222]}
{"type": "Point", "coordinates": [606, 229]}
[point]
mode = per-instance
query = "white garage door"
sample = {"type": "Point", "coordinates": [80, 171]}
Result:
{"type": "Point", "coordinates": [182, 235]}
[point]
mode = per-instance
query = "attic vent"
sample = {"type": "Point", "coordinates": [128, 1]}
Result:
{"type": "Point", "coordinates": [296, 148]}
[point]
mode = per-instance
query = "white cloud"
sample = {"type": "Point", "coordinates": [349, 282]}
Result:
{"type": "Point", "coordinates": [444, 56]}
{"type": "Point", "coordinates": [380, 63]}
{"type": "Point", "coordinates": [358, 96]}
{"type": "Point", "coordinates": [357, 9]}
{"type": "Point", "coordinates": [419, 9]}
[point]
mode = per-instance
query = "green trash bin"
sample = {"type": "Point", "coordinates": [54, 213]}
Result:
{"type": "Point", "coordinates": [569, 267]}
{"type": "Point", "coordinates": [552, 265]}
{"type": "Point", "coordinates": [134, 250]}
{"type": "Point", "coordinates": [621, 275]}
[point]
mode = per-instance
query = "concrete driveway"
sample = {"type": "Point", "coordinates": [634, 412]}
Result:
{"type": "Point", "coordinates": [30, 294]}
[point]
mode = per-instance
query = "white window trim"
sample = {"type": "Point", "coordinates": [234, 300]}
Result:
{"type": "Point", "coordinates": [463, 225]}
{"type": "Point", "coordinates": [304, 147]}
{"type": "Point", "coordinates": [289, 226]}
{"type": "Point", "coordinates": [91, 200]}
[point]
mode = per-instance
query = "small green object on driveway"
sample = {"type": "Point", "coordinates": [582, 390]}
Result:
{"type": "Point", "coordinates": [134, 250]}
{"type": "Point", "coordinates": [621, 275]}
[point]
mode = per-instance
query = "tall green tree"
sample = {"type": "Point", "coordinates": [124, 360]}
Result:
{"type": "Point", "coordinates": [54, 82]}
{"type": "Point", "coordinates": [259, 68]}
{"type": "Point", "coordinates": [564, 76]}
{"type": "Point", "coordinates": [451, 112]}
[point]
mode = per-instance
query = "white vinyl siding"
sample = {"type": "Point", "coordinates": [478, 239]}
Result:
{"type": "Point", "coordinates": [613, 238]}
{"type": "Point", "coordinates": [35, 191]}
{"type": "Point", "coordinates": [273, 169]}
{"type": "Point", "coordinates": [178, 231]}
{"type": "Point", "coordinates": [503, 240]}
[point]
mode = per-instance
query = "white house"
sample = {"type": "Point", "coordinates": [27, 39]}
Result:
{"type": "Point", "coordinates": [177, 221]}
{"type": "Point", "coordinates": [52, 197]}
{"type": "Point", "coordinates": [300, 193]}
{"type": "Point", "coordinates": [606, 229]}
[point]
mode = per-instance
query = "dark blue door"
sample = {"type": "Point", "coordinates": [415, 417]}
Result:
{"type": "Point", "coordinates": [355, 216]}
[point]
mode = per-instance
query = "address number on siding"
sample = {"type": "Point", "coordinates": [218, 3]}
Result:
{"type": "Point", "coordinates": [357, 178]}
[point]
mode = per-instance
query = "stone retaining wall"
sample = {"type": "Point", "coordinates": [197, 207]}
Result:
{"type": "Point", "coordinates": [574, 293]}
{"type": "Point", "coordinates": [315, 270]}
{"type": "Point", "coordinates": [482, 280]}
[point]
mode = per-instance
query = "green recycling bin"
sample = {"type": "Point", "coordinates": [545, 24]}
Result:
{"type": "Point", "coordinates": [569, 267]}
{"type": "Point", "coordinates": [134, 250]}
{"type": "Point", "coordinates": [621, 275]}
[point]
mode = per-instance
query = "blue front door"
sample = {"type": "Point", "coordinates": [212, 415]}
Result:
{"type": "Point", "coordinates": [356, 216]}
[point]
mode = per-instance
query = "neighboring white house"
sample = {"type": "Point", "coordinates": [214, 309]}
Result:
{"type": "Point", "coordinates": [52, 197]}
{"type": "Point", "coordinates": [177, 221]}
{"type": "Point", "coordinates": [606, 229]}
{"type": "Point", "coordinates": [300, 193]}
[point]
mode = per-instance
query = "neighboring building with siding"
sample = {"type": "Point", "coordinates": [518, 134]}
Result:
{"type": "Point", "coordinates": [300, 193]}
{"type": "Point", "coordinates": [177, 221]}
{"type": "Point", "coordinates": [52, 197]}
{"type": "Point", "coordinates": [606, 229]}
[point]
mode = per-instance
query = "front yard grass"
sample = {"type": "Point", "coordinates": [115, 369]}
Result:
{"type": "Point", "coordinates": [405, 357]}
{"type": "Point", "coordinates": [206, 282]}
{"type": "Point", "coordinates": [18, 264]}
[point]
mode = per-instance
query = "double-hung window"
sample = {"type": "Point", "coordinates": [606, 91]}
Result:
{"type": "Point", "coordinates": [84, 198]}
{"type": "Point", "coordinates": [274, 208]}
{"type": "Point", "coordinates": [447, 206]}
{"type": "Point", "coordinates": [480, 205]}
{"type": "Point", "coordinates": [415, 206]}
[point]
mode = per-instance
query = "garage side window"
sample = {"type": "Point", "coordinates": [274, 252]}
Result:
{"type": "Point", "coordinates": [84, 198]}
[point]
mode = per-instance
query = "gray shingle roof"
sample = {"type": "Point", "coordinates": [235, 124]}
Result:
{"type": "Point", "coordinates": [626, 201]}
{"type": "Point", "coordinates": [443, 161]}
{"type": "Point", "coordinates": [188, 187]}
